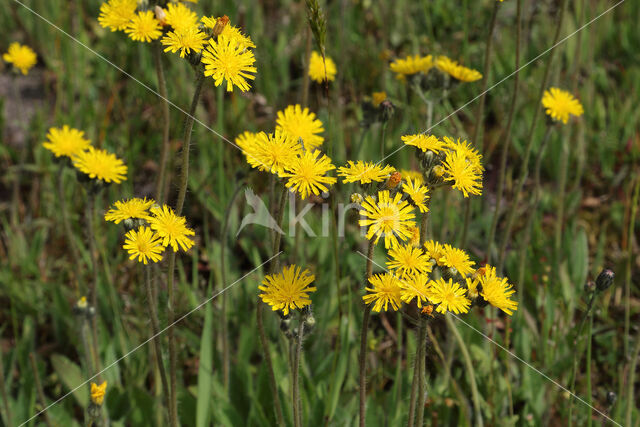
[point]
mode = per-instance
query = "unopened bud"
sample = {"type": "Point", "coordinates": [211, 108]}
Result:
{"type": "Point", "coordinates": [611, 397]}
{"type": "Point", "coordinates": [220, 24]}
{"type": "Point", "coordinates": [438, 171]}
{"type": "Point", "coordinates": [605, 279]}
{"type": "Point", "coordinates": [357, 198]}
{"type": "Point", "coordinates": [387, 110]}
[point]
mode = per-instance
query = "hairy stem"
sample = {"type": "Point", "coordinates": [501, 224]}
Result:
{"type": "Point", "coordinates": [362, 360]}
{"type": "Point", "coordinates": [297, 415]}
{"type": "Point", "coordinates": [164, 102]}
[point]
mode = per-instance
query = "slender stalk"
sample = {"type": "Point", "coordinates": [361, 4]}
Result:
{"type": "Point", "coordinates": [220, 120]}
{"type": "Point", "coordinates": [529, 144]}
{"type": "Point", "coordinates": [588, 373]}
{"type": "Point", "coordinates": [297, 415]}
{"type": "Point", "coordinates": [362, 359]}
{"type": "Point", "coordinates": [8, 415]}
{"type": "Point", "coordinates": [64, 213]}
{"type": "Point", "coordinates": [307, 58]}
{"type": "Point", "coordinates": [382, 144]}
{"type": "Point", "coordinates": [627, 282]}
{"type": "Point", "coordinates": [38, 384]}
{"type": "Point", "coordinates": [631, 382]}
{"type": "Point", "coordinates": [422, 342]}
{"type": "Point", "coordinates": [93, 284]}
{"type": "Point", "coordinates": [162, 91]}
{"type": "Point", "coordinates": [414, 386]}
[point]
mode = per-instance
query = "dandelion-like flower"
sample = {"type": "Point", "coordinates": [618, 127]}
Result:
{"type": "Point", "coordinates": [127, 209]}
{"type": "Point", "coordinates": [385, 289]}
{"type": "Point", "coordinates": [412, 64]}
{"type": "Point", "coordinates": [144, 245]}
{"type": "Point", "coordinates": [416, 286]}
{"type": "Point", "coordinates": [184, 41]}
{"type": "Point", "coordinates": [288, 290]}
{"type": "Point", "coordinates": [171, 228]}
{"type": "Point", "coordinates": [456, 258]}
{"type": "Point", "coordinates": [307, 172]}
{"type": "Point", "coordinates": [406, 260]}
{"type": "Point", "coordinates": [100, 164]}
{"type": "Point", "coordinates": [229, 31]}
{"type": "Point", "coordinates": [22, 57]}
{"type": "Point", "coordinates": [424, 142]}
{"type": "Point", "coordinates": [465, 174]}
{"type": "Point", "coordinates": [274, 152]}
{"type": "Point", "coordinates": [449, 296]}
{"type": "Point", "coordinates": [98, 392]}
{"type": "Point", "coordinates": [116, 14]}
{"type": "Point", "coordinates": [497, 291]}
{"type": "Point", "coordinates": [413, 175]}
{"type": "Point", "coordinates": [364, 172]}
{"type": "Point", "coordinates": [321, 70]}
{"type": "Point", "coordinates": [457, 71]}
{"type": "Point", "coordinates": [377, 98]}
{"type": "Point", "coordinates": [466, 150]}
{"type": "Point", "coordinates": [388, 217]}
{"type": "Point", "coordinates": [417, 193]}
{"type": "Point", "coordinates": [298, 123]}
{"type": "Point", "coordinates": [144, 27]}
{"type": "Point", "coordinates": [180, 17]}
{"type": "Point", "coordinates": [434, 250]}
{"type": "Point", "coordinates": [66, 141]}
{"type": "Point", "coordinates": [248, 144]}
{"type": "Point", "coordinates": [560, 104]}
{"type": "Point", "coordinates": [226, 59]}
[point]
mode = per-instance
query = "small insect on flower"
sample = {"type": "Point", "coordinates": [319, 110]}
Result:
{"type": "Point", "coordinates": [116, 14]}
{"type": "Point", "coordinates": [457, 71]}
{"type": "Point", "coordinates": [143, 244]}
{"type": "Point", "coordinates": [417, 193]}
{"type": "Point", "coordinates": [66, 141]}
{"type": "Point", "coordinates": [411, 65]}
{"type": "Point", "coordinates": [171, 228]}
{"type": "Point", "coordinates": [560, 104]}
{"type": "Point", "coordinates": [307, 172]}
{"type": "Point", "coordinates": [288, 290]}
{"type": "Point", "coordinates": [226, 59]}
{"type": "Point", "coordinates": [321, 70]}
{"type": "Point", "coordinates": [385, 290]}
{"type": "Point", "coordinates": [456, 258]}
{"type": "Point", "coordinates": [449, 296]}
{"type": "Point", "coordinates": [128, 209]}
{"type": "Point", "coordinates": [406, 260]}
{"type": "Point", "coordinates": [298, 123]}
{"type": "Point", "coordinates": [98, 392]}
{"type": "Point", "coordinates": [364, 172]}
{"type": "Point", "coordinates": [184, 41]}
{"type": "Point", "coordinates": [100, 164]}
{"type": "Point", "coordinates": [22, 57]}
{"type": "Point", "coordinates": [388, 217]}
{"type": "Point", "coordinates": [144, 27]}
{"type": "Point", "coordinates": [221, 26]}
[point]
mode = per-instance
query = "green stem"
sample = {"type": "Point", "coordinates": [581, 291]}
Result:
{"type": "Point", "coordinates": [8, 415]}
{"type": "Point", "coordinates": [305, 76]}
{"type": "Point", "coordinates": [422, 395]}
{"type": "Point", "coordinates": [93, 284]}
{"type": "Point", "coordinates": [382, 144]}
{"type": "Point", "coordinates": [64, 213]}
{"type": "Point", "coordinates": [362, 359]}
{"type": "Point", "coordinates": [171, 301]}
{"type": "Point", "coordinates": [297, 415]}
{"type": "Point", "coordinates": [414, 384]}
{"type": "Point", "coordinates": [630, 260]}
{"type": "Point", "coordinates": [220, 113]}
{"type": "Point", "coordinates": [38, 384]}
{"type": "Point", "coordinates": [588, 373]}
{"type": "Point", "coordinates": [164, 101]}
{"type": "Point", "coordinates": [631, 382]}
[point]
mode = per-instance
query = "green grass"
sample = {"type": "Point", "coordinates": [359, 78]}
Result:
{"type": "Point", "coordinates": [39, 282]}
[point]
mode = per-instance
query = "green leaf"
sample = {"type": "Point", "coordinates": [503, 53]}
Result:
{"type": "Point", "coordinates": [71, 376]}
{"type": "Point", "coordinates": [203, 405]}
{"type": "Point", "coordinates": [579, 266]}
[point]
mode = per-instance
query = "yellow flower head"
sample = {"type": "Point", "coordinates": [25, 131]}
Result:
{"type": "Point", "coordinates": [560, 104]}
{"type": "Point", "coordinates": [456, 258]}
{"type": "Point", "coordinates": [424, 142]}
{"type": "Point", "coordinates": [185, 41]}
{"type": "Point", "coordinates": [229, 31]}
{"type": "Point", "coordinates": [116, 14]}
{"type": "Point", "coordinates": [457, 71]}
{"type": "Point", "coordinates": [66, 141]}
{"type": "Point", "coordinates": [22, 57]}
{"type": "Point", "coordinates": [416, 286]}
{"type": "Point", "coordinates": [434, 250]}
{"type": "Point", "coordinates": [413, 175]}
{"type": "Point", "coordinates": [127, 209]}
{"type": "Point", "coordinates": [171, 228]}
{"type": "Point", "coordinates": [320, 70]}
{"type": "Point", "coordinates": [100, 164]}
{"type": "Point", "coordinates": [449, 296]}
{"type": "Point", "coordinates": [388, 217]}
{"type": "Point", "coordinates": [298, 123]}
{"type": "Point", "coordinates": [411, 65]}
{"type": "Point", "coordinates": [306, 173]}
{"type": "Point", "coordinates": [248, 143]}
{"type": "Point", "coordinates": [180, 17]}
{"type": "Point", "coordinates": [465, 174]}
{"type": "Point", "coordinates": [464, 149]}
{"type": "Point", "coordinates": [364, 172]}
{"type": "Point", "coordinates": [377, 98]}
{"type": "Point", "coordinates": [226, 59]}
{"type": "Point", "coordinates": [414, 240]}
{"type": "Point", "coordinates": [385, 290]}
{"type": "Point", "coordinates": [288, 290]}
{"type": "Point", "coordinates": [98, 392]}
{"type": "Point", "coordinates": [417, 193]}
{"type": "Point", "coordinates": [274, 152]}
{"type": "Point", "coordinates": [143, 244]}
{"type": "Point", "coordinates": [144, 27]}
{"type": "Point", "coordinates": [497, 291]}
{"type": "Point", "coordinates": [406, 260]}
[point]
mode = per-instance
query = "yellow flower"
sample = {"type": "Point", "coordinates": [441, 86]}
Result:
{"type": "Point", "coordinates": [171, 228]}
{"type": "Point", "coordinates": [456, 258]}
{"type": "Point", "coordinates": [377, 98]}
{"type": "Point", "coordinates": [424, 142]}
{"type": "Point", "coordinates": [464, 149]}
{"type": "Point", "coordinates": [66, 141]}
{"type": "Point", "coordinates": [320, 70]}
{"type": "Point", "coordinates": [411, 65]}
{"type": "Point", "coordinates": [416, 286]}
{"type": "Point", "coordinates": [226, 59]}
{"type": "Point", "coordinates": [116, 14]}
{"type": "Point", "coordinates": [127, 209]}
{"type": "Point", "coordinates": [406, 260]}
{"type": "Point", "coordinates": [229, 31]}
{"type": "Point", "coordinates": [387, 217]}
{"type": "Point", "coordinates": [98, 392]}
{"type": "Point", "coordinates": [306, 173]}
{"type": "Point", "coordinates": [180, 17]}
{"type": "Point", "coordinates": [144, 27]}
{"type": "Point", "coordinates": [457, 71]}
{"type": "Point", "coordinates": [273, 152]}
{"type": "Point", "coordinates": [100, 164]}
{"type": "Point", "coordinates": [413, 175]}
{"type": "Point", "coordinates": [497, 291]}
{"type": "Point", "coordinates": [364, 172]}
{"type": "Point", "coordinates": [449, 296]}
{"type": "Point", "coordinates": [143, 244]}
{"type": "Point", "coordinates": [385, 290]}
{"type": "Point", "coordinates": [185, 41]}
{"type": "Point", "coordinates": [560, 104]}
{"type": "Point", "coordinates": [22, 57]}
{"type": "Point", "coordinates": [288, 290]}
{"type": "Point", "coordinates": [434, 250]}
{"type": "Point", "coordinates": [465, 175]}
{"type": "Point", "coordinates": [417, 193]}
{"type": "Point", "coordinates": [301, 124]}
{"type": "Point", "coordinates": [414, 240]}
{"type": "Point", "coordinates": [248, 143]}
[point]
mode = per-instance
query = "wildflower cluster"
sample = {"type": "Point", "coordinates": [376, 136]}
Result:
{"type": "Point", "coordinates": [415, 65]}
{"type": "Point", "coordinates": [150, 228]}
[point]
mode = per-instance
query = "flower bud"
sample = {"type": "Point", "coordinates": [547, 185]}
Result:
{"type": "Point", "coordinates": [611, 397]}
{"type": "Point", "coordinates": [387, 110]}
{"type": "Point", "coordinates": [605, 279]}
{"type": "Point", "coordinates": [357, 198]}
